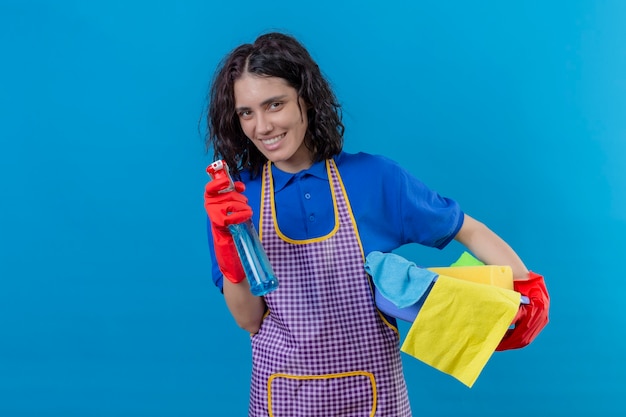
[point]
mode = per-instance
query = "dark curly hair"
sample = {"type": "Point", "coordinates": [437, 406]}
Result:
{"type": "Point", "coordinates": [271, 55]}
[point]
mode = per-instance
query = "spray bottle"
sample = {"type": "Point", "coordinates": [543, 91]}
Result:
{"type": "Point", "coordinates": [255, 263]}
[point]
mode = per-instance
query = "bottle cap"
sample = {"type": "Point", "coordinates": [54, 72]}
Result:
{"type": "Point", "coordinates": [219, 169]}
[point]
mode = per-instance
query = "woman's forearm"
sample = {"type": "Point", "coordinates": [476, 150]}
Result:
{"type": "Point", "coordinates": [489, 247]}
{"type": "Point", "coordinates": [247, 309]}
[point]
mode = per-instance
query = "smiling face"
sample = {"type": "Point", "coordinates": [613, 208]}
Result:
{"type": "Point", "coordinates": [274, 118]}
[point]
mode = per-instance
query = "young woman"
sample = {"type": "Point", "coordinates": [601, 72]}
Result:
{"type": "Point", "coordinates": [319, 345]}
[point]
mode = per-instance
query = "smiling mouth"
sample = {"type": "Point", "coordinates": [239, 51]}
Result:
{"type": "Point", "coordinates": [275, 139]}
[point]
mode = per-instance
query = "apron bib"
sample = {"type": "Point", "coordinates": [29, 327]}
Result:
{"type": "Point", "coordinates": [323, 348]}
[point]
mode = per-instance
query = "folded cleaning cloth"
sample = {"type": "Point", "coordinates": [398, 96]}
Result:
{"type": "Point", "coordinates": [399, 280]}
{"type": "Point", "coordinates": [460, 325]}
{"type": "Point", "coordinates": [466, 259]}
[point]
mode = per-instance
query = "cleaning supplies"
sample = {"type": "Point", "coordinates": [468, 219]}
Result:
{"type": "Point", "coordinates": [256, 265]}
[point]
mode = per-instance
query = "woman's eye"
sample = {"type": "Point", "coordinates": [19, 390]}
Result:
{"type": "Point", "coordinates": [244, 114]}
{"type": "Point", "coordinates": [275, 106]}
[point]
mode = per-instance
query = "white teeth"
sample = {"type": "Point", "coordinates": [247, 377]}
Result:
{"type": "Point", "coordinates": [272, 141]}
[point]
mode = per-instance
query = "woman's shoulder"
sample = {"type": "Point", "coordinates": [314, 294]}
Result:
{"type": "Point", "coordinates": [252, 183]}
{"type": "Point", "coordinates": [364, 163]}
{"type": "Point", "coordinates": [366, 159]}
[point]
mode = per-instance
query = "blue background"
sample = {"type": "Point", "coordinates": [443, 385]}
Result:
{"type": "Point", "coordinates": [515, 109]}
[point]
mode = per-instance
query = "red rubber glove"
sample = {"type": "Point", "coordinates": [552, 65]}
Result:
{"type": "Point", "coordinates": [531, 318]}
{"type": "Point", "coordinates": [224, 209]}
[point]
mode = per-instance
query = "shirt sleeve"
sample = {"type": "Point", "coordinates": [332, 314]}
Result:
{"type": "Point", "coordinates": [428, 218]}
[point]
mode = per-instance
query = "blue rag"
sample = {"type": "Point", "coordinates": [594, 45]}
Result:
{"type": "Point", "coordinates": [399, 280]}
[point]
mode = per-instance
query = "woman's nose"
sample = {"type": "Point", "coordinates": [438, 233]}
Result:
{"type": "Point", "coordinates": [263, 124]}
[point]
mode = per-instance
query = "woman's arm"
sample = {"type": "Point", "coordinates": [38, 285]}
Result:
{"type": "Point", "coordinates": [223, 210]}
{"type": "Point", "coordinates": [246, 309]}
{"type": "Point", "coordinates": [489, 247]}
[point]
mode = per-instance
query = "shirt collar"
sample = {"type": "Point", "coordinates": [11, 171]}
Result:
{"type": "Point", "coordinates": [282, 178]}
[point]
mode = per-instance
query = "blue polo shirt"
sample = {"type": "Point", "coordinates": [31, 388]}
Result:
{"type": "Point", "coordinates": [391, 207]}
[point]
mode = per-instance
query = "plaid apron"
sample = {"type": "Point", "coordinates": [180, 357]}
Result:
{"type": "Point", "coordinates": [323, 349]}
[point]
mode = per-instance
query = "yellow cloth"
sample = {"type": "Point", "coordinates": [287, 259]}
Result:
{"type": "Point", "coordinates": [500, 276]}
{"type": "Point", "coordinates": [460, 325]}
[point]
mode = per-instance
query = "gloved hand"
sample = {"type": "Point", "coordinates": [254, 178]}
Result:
{"type": "Point", "coordinates": [224, 209]}
{"type": "Point", "coordinates": [531, 318]}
